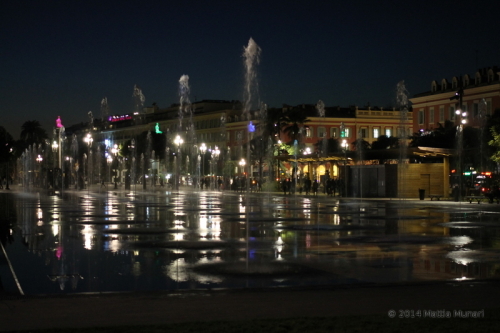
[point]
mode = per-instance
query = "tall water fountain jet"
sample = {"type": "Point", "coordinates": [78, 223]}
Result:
{"type": "Point", "coordinates": [266, 147]}
{"type": "Point", "coordinates": [320, 106]}
{"type": "Point", "coordinates": [133, 164]}
{"type": "Point", "coordinates": [402, 103]}
{"type": "Point", "coordinates": [186, 112]}
{"type": "Point", "coordinates": [104, 109]}
{"type": "Point", "coordinates": [74, 159]}
{"type": "Point", "coordinates": [98, 163]}
{"type": "Point", "coordinates": [146, 160]}
{"type": "Point", "coordinates": [251, 56]}
{"type": "Point", "coordinates": [139, 99]}
{"type": "Point", "coordinates": [482, 124]}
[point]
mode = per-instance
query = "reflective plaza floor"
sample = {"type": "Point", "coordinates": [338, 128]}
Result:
{"type": "Point", "coordinates": [105, 240]}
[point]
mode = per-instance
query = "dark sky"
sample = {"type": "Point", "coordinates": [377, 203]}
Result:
{"type": "Point", "coordinates": [60, 58]}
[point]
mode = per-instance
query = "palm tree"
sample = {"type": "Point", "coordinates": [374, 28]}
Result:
{"type": "Point", "coordinates": [33, 133]}
{"type": "Point", "coordinates": [385, 142]}
{"type": "Point", "coordinates": [293, 121]}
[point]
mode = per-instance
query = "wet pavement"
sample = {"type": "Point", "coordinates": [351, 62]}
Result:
{"type": "Point", "coordinates": [105, 240]}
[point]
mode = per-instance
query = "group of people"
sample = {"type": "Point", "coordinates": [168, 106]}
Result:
{"type": "Point", "coordinates": [330, 186]}
{"type": "Point", "coordinates": [205, 183]}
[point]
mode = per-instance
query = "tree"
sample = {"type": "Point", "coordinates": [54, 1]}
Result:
{"type": "Point", "coordinates": [361, 145]}
{"type": "Point", "coordinates": [328, 146]}
{"type": "Point", "coordinates": [495, 142]}
{"type": "Point", "coordinates": [33, 133]}
{"type": "Point", "coordinates": [441, 137]}
{"type": "Point", "coordinates": [6, 147]}
{"type": "Point", "coordinates": [385, 142]}
{"type": "Point", "coordinates": [293, 121]}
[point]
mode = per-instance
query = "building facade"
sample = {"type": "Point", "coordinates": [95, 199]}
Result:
{"type": "Point", "coordinates": [479, 96]}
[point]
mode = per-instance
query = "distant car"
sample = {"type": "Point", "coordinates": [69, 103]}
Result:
{"type": "Point", "coordinates": [492, 193]}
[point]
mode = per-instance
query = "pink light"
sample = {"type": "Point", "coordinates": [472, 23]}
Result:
{"type": "Point", "coordinates": [58, 122]}
{"type": "Point", "coordinates": [59, 252]}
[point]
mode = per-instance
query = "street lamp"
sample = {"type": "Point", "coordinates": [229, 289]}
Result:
{"type": "Point", "coordinates": [215, 156]}
{"type": "Point", "coordinates": [462, 116]}
{"type": "Point", "coordinates": [39, 160]}
{"type": "Point", "coordinates": [344, 148]}
{"type": "Point", "coordinates": [242, 163]}
{"type": "Point", "coordinates": [178, 141]}
{"type": "Point", "coordinates": [203, 149]}
{"type": "Point", "coordinates": [88, 140]}
{"type": "Point", "coordinates": [109, 159]}
{"type": "Point", "coordinates": [55, 147]}
{"type": "Point", "coordinates": [114, 151]}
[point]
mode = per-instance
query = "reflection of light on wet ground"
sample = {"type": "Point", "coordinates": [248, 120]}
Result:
{"type": "Point", "coordinates": [87, 234]}
{"type": "Point", "coordinates": [152, 234]}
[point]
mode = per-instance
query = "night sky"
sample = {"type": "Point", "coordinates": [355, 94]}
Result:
{"type": "Point", "coordinates": [60, 58]}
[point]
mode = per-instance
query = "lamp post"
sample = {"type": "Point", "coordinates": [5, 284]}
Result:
{"type": "Point", "coordinates": [178, 141]}
{"type": "Point", "coordinates": [462, 116]}
{"type": "Point", "coordinates": [215, 158]}
{"type": "Point", "coordinates": [55, 147]}
{"type": "Point", "coordinates": [344, 148]}
{"type": "Point", "coordinates": [109, 160]}
{"type": "Point", "coordinates": [39, 160]}
{"type": "Point", "coordinates": [114, 151]}
{"type": "Point", "coordinates": [88, 140]}
{"type": "Point", "coordinates": [242, 163]}
{"type": "Point", "coordinates": [203, 149]}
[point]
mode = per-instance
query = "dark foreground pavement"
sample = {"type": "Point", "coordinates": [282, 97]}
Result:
{"type": "Point", "coordinates": [91, 310]}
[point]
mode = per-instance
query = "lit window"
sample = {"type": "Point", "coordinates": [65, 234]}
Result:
{"type": "Point", "coordinates": [376, 133]}
{"type": "Point", "coordinates": [388, 132]}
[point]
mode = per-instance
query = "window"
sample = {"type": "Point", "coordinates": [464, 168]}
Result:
{"type": "Point", "coordinates": [376, 132]}
{"type": "Point", "coordinates": [321, 132]}
{"type": "Point", "coordinates": [347, 132]}
{"type": "Point", "coordinates": [431, 116]}
{"type": "Point", "coordinates": [451, 112]}
{"type": "Point", "coordinates": [334, 132]}
{"type": "Point", "coordinates": [388, 132]}
{"type": "Point", "coordinates": [421, 117]}
{"type": "Point", "coordinates": [441, 114]}
{"type": "Point", "coordinates": [444, 85]}
{"type": "Point", "coordinates": [308, 132]}
{"type": "Point", "coordinates": [475, 109]}
{"type": "Point", "coordinates": [434, 86]}
{"type": "Point", "coordinates": [362, 133]}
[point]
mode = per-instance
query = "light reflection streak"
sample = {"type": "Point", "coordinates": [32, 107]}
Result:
{"type": "Point", "coordinates": [87, 236]}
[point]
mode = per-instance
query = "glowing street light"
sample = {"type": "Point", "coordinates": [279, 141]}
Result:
{"type": "Point", "coordinates": [345, 147]}
{"type": "Point", "coordinates": [203, 149]}
{"type": "Point", "coordinates": [88, 139]}
{"type": "Point", "coordinates": [242, 164]}
{"type": "Point", "coordinates": [39, 160]}
{"type": "Point", "coordinates": [109, 159]}
{"type": "Point", "coordinates": [178, 141]}
{"type": "Point", "coordinates": [215, 157]}
{"type": "Point", "coordinates": [115, 151]}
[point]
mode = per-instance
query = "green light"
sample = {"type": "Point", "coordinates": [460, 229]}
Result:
{"type": "Point", "coordinates": [157, 129]}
